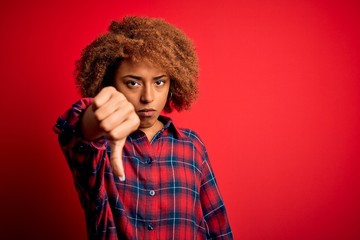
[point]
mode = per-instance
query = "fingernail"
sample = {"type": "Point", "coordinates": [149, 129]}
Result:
{"type": "Point", "coordinates": [122, 178]}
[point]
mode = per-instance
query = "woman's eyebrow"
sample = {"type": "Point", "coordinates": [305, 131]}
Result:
{"type": "Point", "coordinates": [159, 77]}
{"type": "Point", "coordinates": [140, 78]}
{"type": "Point", "coordinates": [132, 76]}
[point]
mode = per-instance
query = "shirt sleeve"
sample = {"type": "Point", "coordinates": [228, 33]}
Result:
{"type": "Point", "coordinates": [218, 226]}
{"type": "Point", "coordinates": [85, 158]}
{"type": "Point", "coordinates": [88, 162]}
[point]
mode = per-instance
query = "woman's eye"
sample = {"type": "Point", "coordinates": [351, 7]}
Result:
{"type": "Point", "coordinates": [159, 82]}
{"type": "Point", "coordinates": [132, 84]}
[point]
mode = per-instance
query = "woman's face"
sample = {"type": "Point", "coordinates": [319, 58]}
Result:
{"type": "Point", "coordinates": [146, 87]}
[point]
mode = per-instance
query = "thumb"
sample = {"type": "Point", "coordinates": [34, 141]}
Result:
{"type": "Point", "coordinates": [116, 158]}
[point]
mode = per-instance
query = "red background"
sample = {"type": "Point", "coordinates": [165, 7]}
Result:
{"type": "Point", "coordinates": [278, 111]}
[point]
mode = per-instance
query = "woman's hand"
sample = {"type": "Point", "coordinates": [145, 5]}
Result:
{"type": "Point", "coordinates": [112, 116]}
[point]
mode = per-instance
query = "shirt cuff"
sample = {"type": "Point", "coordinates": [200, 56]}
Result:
{"type": "Point", "coordinates": [68, 125]}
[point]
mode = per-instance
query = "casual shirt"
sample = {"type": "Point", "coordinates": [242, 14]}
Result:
{"type": "Point", "coordinates": [170, 191]}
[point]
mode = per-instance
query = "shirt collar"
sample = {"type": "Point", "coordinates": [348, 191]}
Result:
{"type": "Point", "coordinates": [169, 126]}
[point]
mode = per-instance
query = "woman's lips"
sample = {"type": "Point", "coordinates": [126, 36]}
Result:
{"type": "Point", "coordinates": [146, 112]}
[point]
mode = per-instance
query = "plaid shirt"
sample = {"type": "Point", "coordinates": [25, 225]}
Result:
{"type": "Point", "coordinates": [170, 191]}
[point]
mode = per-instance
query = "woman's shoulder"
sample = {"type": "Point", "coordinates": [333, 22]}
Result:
{"type": "Point", "coordinates": [192, 136]}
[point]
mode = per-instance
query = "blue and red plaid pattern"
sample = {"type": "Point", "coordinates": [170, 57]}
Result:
{"type": "Point", "coordinates": [170, 190]}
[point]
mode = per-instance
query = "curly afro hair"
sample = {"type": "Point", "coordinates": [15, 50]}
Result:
{"type": "Point", "coordinates": [139, 38]}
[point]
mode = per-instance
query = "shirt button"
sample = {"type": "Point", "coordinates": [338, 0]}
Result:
{"type": "Point", "coordinates": [150, 227]}
{"type": "Point", "coordinates": [149, 160]}
{"type": "Point", "coordinates": [152, 193]}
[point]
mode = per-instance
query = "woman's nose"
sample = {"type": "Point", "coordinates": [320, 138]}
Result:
{"type": "Point", "coordinates": [147, 94]}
